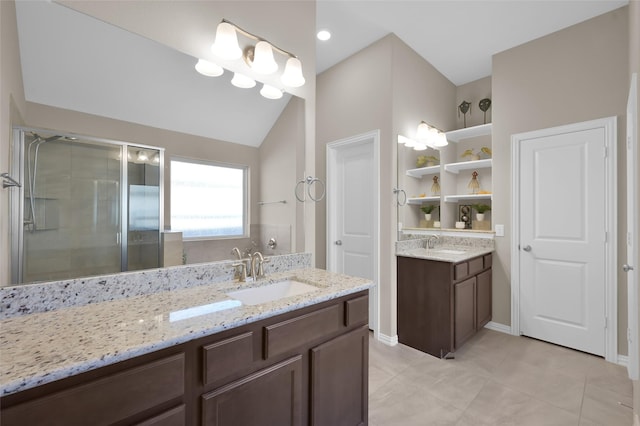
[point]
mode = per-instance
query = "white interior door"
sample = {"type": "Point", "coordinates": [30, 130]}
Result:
{"type": "Point", "coordinates": [562, 238]}
{"type": "Point", "coordinates": [631, 266]}
{"type": "Point", "coordinates": [352, 211]}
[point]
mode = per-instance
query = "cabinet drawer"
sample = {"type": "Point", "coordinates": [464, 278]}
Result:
{"type": "Point", "coordinates": [460, 271]}
{"type": "Point", "coordinates": [356, 311]}
{"type": "Point", "coordinates": [173, 417]}
{"type": "Point", "coordinates": [107, 400]}
{"type": "Point", "coordinates": [286, 335]}
{"type": "Point", "coordinates": [226, 357]}
{"type": "Point", "coordinates": [488, 260]}
{"type": "Point", "coordinates": [476, 265]}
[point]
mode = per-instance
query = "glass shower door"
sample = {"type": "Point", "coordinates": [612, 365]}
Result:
{"type": "Point", "coordinates": [144, 207]}
{"type": "Point", "coordinates": [71, 208]}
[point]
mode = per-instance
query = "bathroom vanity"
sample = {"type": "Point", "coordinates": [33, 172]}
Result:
{"type": "Point", "coordinates": [194, 356]}
{"type": "Point", "coordinates": [444, 297]}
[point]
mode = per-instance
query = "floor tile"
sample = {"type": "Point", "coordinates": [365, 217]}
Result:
{"type": "Point", "coordinates": [602, 406]}
{"type": "Point", "coordinates": [497, 404]}
{"type": "Point", "coordinates": [496, 379]}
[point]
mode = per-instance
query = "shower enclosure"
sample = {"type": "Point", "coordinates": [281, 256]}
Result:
{"type": "Point", "coordinates": [86, 206]}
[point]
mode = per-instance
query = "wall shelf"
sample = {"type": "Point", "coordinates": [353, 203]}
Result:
{"type": "Point", "coordinates": [421, 200]}
{"type": "Point", "coordinates": [469, 132]}
{"type": "Point", "coordinates": [423, 171]}
{"type": "Point", "coordinates": [470, 197]}
{"type": "Point", "coordinates": [467, 165]}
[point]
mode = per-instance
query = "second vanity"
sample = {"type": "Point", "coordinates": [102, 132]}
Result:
{"type": "Point", "coordinates": [194, 356]}
{"type": "Point", "coordinates": [444, 293]}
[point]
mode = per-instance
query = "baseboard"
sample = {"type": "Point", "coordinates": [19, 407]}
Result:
{"type": "Point", "coordinates": [496, 326]}
{"type": "Point", "coordinates": [623, 360]}
{"type": "Point", "coordinates": [391, 341]}
{"type": "Point", "coordinates": [636, 420]}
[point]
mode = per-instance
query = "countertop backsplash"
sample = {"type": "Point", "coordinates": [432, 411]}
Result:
{"type": "Point", "coordinates": [49, 296]}
{"type": "Point", "coordinates": [419, 241]}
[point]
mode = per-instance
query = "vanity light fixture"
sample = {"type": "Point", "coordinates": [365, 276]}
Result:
{"type": "Point", "coordinates": [209, 68]}
{"type": "Point", "coordinates": [259, 57]}
{"type": "Point", "coordinates": [270, 92]}
{"type": "Point", "coordinates": [242, 81]}
{"type": "Point", "coordinates": [430, 136]}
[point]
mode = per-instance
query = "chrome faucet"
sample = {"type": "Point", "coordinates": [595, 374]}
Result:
{"type": "Point", "coordinates": [431, 242]}
{"type": "Point", "coordinates": [236, 251]}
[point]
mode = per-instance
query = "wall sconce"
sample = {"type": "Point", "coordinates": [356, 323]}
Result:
{"type": "Point", "coordinates": [259, 58]}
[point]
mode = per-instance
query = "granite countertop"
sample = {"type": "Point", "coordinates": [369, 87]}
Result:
{"type": "Point", "coordinates": [42, 347]}
{"type": "Point", "coordinates": [453, 254]}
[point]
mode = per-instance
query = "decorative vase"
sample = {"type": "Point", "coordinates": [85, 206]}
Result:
{"type": "Point", "coordinates": [475, 157]}
{"type": "Point", "coordinates": [480, 217]}
{"type": "Point", "coordinates": [427, 216]}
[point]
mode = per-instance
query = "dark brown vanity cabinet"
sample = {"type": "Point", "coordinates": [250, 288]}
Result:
{"type": "Point", "coordinates": [308, 366]}
{"type": "Point", "coordinates": [442, 304]}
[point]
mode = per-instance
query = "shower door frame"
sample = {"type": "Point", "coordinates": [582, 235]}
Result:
{"type": "Point", "coordinates": [16, 232]}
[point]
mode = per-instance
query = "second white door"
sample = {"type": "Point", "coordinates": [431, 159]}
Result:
{"type": "Point", "coordinates": [351, 210]}
{"type": "Point", "coordinates": [562, 238]}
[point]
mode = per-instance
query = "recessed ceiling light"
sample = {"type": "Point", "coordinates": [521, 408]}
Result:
{"type": "Point", "coordinates": [324, 35]}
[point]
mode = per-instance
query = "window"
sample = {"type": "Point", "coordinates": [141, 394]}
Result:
{"type": "Point", "coordinates": [208, 199]}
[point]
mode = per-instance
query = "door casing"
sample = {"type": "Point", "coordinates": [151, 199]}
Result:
{"type": "Point", "coordinates": [609, 125]}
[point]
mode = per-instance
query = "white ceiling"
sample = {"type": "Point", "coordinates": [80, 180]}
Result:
{"type": "Point", "coordinates": [74, 61]}
{"type": "Point", "coordinates": [457, 37]}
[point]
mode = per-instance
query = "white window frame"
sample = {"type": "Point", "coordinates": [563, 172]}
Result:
{"type": "Point", "coordinates": [245, 196]}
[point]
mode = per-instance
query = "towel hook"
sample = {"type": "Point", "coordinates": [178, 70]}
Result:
{"type": "Point", "coordinates": [8, 181]}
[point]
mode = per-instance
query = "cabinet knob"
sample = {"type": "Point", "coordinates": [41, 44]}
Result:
{"type": "Point", "coordinates": [526, 248]}
{"type": "Point", "coordinates": [338, 242]}
{"type": "Point", "coordinates": [627, 268]}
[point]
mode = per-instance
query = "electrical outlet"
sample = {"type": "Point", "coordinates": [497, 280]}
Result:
{"type": "Point", "coordinates": [499, 230]}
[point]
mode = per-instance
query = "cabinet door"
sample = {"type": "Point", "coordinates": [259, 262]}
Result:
{"type": "Point", "coordinates": [465, 313]}
{"type": "Point", "coordinates": [483, 295]}
{"type": "Point", "coordinates": [272, 396]}
{"type": "Point", "coordinates": [339, 380]}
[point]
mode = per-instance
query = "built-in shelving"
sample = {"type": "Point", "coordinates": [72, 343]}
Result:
{"type": "Point", "coordinates": [421, 200]}
{"type": "Point", "coordinates": [469, 132]}
{"type": "Point", "coordinates": [468, 165]}
{"type": "Point", "coordinates": [469, 197]}
{"type": "Point", "coordinates": [423, 171]}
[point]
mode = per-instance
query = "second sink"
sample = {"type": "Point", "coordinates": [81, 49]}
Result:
{"type": "Point", "coordinates": [271, 292]}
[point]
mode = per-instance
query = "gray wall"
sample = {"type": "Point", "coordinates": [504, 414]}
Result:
{"type": "Point", "coordinates": [385, 86]}
{"type": "Point", "coordinates": [574, 75]}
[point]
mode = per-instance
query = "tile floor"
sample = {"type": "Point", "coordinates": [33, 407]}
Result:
{"type": "Point", "coordinates": [496, 379]}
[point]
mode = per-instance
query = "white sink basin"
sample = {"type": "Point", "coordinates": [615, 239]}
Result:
{"type": "Point", "coordinates": [271, 292]}
{"type": "Point", "coordinates": [446, 251]}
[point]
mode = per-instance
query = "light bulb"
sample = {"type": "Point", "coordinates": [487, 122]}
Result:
{"type": "Point", "coordinates": [226, 44]}
{"type": "Point", "coordinates": [263, 61]}
{"type": "Point", "coordinates": [292, 75]}
{"type": "Point", "coordinates": [323, 35]}
{"type": "Point", "coordinates": [143, 155]}
{"type": "Point", "coordinates": [270, 92]}
{"type": "Point", "coordinates": [209, 68]}
{"type": "Point", "coordinates": [242, 81]}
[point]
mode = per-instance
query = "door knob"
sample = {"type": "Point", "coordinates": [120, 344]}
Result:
{"type": "Point", "coordinates": [526, 248]}
{"type": "Point", "coordinates": [627, 268]}
{"type": "Point", "coordinates": [338, 242]}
